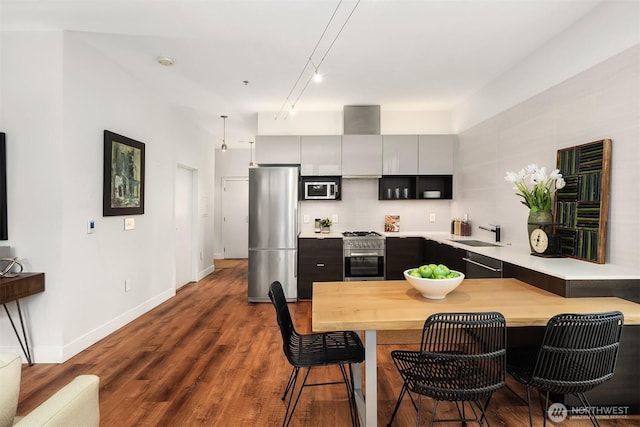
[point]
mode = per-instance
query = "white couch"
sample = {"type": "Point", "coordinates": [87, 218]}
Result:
{"type": "Point", "coordinates": [76, 404]}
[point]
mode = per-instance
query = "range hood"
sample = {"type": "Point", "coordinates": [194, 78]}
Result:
{"type": "Point", "coordinates": [361, 120]}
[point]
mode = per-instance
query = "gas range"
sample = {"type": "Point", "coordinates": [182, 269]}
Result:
{"type": "Point", "coordinates": [363, 240]}
{"type": "Point", "coordinates": [364, 253]}
{"type": "Point", "coordinates": [350, 234]}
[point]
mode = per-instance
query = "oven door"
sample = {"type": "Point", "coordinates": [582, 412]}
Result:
{"type": "Point", "coordinates": [363, 265]}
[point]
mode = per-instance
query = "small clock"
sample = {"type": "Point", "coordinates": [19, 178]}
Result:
{"type": "Point", "coordinates": [544, 243]}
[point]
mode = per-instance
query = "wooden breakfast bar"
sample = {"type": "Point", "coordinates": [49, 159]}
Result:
{"type": "Point", "coordinates": [373, 306]}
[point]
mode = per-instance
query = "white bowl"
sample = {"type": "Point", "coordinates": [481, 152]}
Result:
{"type": "Point", "coordinates": [433, 288]}
{"type": "Point", "coordinates": [431, 194]}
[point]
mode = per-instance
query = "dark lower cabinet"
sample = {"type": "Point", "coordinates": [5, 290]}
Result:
{"type": "Point", "coordinates": [319, 260]}
{"type": "Point", "coordinates": [441, 253]}
{"type": "Point", "coordinates": [621, 393]}
{"type": "Point", "coordinates": [402, 253]}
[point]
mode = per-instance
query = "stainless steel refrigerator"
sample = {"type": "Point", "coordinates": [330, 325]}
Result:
{"type": "Point", "coordinates": [273, 231]}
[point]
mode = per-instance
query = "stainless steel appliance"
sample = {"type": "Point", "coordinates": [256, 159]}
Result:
{"type": "Point", "coordinates": [320, 190]}
{"type": "Point", "coordinates": [482, 267]}
{"type": "Point", "coordinates": [273, 231]}
{"type": "Point", "coordinates": [363, 255]}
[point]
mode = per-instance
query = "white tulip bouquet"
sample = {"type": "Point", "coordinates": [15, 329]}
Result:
{"type": "Point", "coordinates": [535, 187]}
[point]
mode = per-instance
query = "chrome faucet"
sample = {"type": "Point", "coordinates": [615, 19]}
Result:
{"type": "Point", "coordinates": [495, 229]}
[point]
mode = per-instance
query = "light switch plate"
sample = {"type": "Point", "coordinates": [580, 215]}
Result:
{"type": "Point", "coordinates": [91, 226]}
{"type": "Point", "coordinates": [129, 223]}
{"type": "Point", "coordinates": [305, 219]}
{"type": "Point", "coordinates": [432, 217]}
{"type": "Point", "coordinates": [334, 218]}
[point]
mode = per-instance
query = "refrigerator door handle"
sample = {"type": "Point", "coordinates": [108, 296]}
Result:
{"type": "Point", "coordinates": [295, 254]}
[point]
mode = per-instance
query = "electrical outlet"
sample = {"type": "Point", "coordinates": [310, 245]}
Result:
{"type": "Point", "coordinates": [127, 285]}
{"type": "Point", "coordinates": [432, 217]}
{"type": "Point", "coordinates": [305, 219]}
{"type": "Point", "coordinates": [129, 223]}
{"type": "Point", "coordinates": [334, 218]}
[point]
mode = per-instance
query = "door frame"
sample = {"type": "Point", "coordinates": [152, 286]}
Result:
{"type": "Point", "coordinates": [193, 273]}
{"type": "Point", "coordinates": [223, 182]}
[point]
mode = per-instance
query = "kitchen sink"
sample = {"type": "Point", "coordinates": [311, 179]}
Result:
{"type": "Point", "coordinates": [477, 243]}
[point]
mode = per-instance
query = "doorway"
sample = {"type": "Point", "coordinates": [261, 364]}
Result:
{"type": "Point", "coordinates": [184, 217]}
{"type": "Point", "coordinates": [235, 217]}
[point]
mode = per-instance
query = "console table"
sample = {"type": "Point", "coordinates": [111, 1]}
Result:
{"type": "Point", "coordinates": [14, 288]}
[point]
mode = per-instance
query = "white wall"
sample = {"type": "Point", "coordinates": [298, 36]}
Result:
{"type": "Point", "coordinates": [31, 116]}
{"type": "Point", "coordinates": [608, 29]}
{"type": "Point", "coordinates": [601, 102]}
{"type": "Point", "coordinates": [331, 123]}
{"type": "Point", "coordinates": [58, 95]}
{"type": "Point", "coordinates": [233, 163]}
{"type": "Point", "coordinates": [360, 210]}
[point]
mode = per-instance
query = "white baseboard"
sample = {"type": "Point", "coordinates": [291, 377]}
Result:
{"type": "Point", "coordinates": [204, 273]}
{"type": "Point", "coordinates": [59, 355]}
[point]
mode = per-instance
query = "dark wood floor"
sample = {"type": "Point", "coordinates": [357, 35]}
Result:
{"type": "Point", "coordinates": [209, 358]}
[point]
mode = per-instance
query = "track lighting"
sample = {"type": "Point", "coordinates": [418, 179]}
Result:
{"type": "Point", "coordinates": [317, 77]}
{"type": "Point", "coordinates": [300, 86]}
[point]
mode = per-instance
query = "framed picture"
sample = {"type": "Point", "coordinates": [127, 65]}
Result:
{"type": "Point", "coordinates": [123, 191]}
{"type": "Point", "coordinates": [4, 234]}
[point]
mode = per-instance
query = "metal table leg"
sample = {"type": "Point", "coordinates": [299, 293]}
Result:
{"type": "Point", "coordinates": [25, 345]}
{"type": "Point", "coordinates": [367, 402]}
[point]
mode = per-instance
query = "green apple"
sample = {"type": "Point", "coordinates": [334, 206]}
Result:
{"type": "Point", "coordinates": [415, 273]}
{"type": "Point", "coordinates": [444, 269]}
{"type": "Point", "coordinates": [425, 271]}
{"type": "Point", "coordinates": [438, 271]}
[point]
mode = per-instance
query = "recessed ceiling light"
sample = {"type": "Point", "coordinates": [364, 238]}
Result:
{"type": "Point", "coordinates": [164, 60]}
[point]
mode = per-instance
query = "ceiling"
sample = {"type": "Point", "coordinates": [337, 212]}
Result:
{"type": "Point", "coordinates": [401, 54]}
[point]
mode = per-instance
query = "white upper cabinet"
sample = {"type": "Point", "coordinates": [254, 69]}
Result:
{"type": "Point", "coordinates": [321, 155]}
{"type": "Point", "coordinates": [435, 154]}
{"type": "Point", "coordinates": [400, 155]}
{"type": "Point", "coordinates": [361, 155]}
{"type": "Point", "coordinates": [277, 149]}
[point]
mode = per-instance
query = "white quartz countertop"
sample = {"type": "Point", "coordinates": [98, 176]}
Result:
{"type": "Point", "coordinates": [564, 268]}
{"type": "Point", "coordinates": [311, 235]}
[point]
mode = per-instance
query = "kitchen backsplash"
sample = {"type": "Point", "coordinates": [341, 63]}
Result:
{"type": "Point", "coordinates": [360, 210]}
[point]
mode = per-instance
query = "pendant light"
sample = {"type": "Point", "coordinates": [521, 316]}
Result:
{"type": "Point", "coordinates": [224, 147]}
{"type": "Point", "coordinates": [251, 150]}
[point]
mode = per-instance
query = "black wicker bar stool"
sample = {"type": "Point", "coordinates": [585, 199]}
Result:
{"type": "Point", "coordinates": [340, 348]}
{"type": "Point", "coordinates": [578, 353]}
{"type": "Point", "coordinates": [461, 359]}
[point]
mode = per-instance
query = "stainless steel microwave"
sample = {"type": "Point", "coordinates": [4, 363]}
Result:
{"type": "Point", "coordinates": [321, 190]}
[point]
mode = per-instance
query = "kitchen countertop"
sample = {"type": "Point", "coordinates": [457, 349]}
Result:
{"type": "Point", "coordinates": [312, 235]}
{"type": "Point", "coordinates": [564, 268]}
{"type": "Point", "coordinates": [396, 305]}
